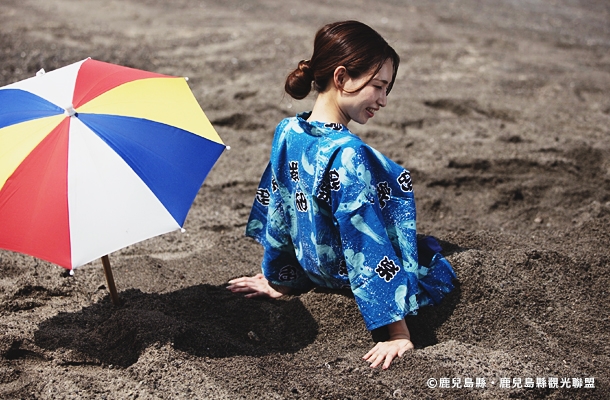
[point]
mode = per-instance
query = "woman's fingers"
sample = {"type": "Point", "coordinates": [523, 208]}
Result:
{"type": "Point", "coordinates": [244, 284]}
{"type": "Point", "coordinates": [255, 286]}
{"type": "Point", "coordinates": [385, 352]}
{"type": "Point", "coordinates": [371, 352]}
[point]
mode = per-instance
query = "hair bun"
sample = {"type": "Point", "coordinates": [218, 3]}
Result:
{"type": "Point", "coordinates": [298, 83]}
{"type": "Point", "coordinates": [305, 68]}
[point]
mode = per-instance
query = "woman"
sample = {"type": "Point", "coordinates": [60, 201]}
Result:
{"type": "Point", "coordinates": [332, 211]}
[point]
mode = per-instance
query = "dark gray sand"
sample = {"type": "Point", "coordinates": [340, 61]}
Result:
{"type": "Point", "coordinates": [502, 113]}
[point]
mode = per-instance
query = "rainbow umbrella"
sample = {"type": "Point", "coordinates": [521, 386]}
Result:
{"type": "Point", "coordinates": [95, 157]}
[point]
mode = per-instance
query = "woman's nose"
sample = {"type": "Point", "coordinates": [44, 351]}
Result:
{"type": "Point", "coordinates": [383, 99]}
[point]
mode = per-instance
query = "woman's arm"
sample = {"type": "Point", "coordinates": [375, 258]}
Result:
{"type": "Point", "coordinates": [396, 346]}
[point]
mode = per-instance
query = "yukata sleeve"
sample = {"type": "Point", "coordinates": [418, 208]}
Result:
{"type": "Point", "coordinates": [382, 269]}
{"type": "Point", "coordinates": [267, 225]}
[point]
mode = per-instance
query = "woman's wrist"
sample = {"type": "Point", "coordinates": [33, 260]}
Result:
{"type": "Point", "coordinates": [400, 336]}
{"type": "Point", "coordinates": [399, 330]}
{"type": "Point", "coordinates": [285, 290]}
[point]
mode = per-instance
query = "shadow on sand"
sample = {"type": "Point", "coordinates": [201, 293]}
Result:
{"type": "Point", "coordinates": [202, 320]}
{"type": "Point", "coordinates": [428, 320]}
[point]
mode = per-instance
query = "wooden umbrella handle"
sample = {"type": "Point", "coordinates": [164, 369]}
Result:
{"type": "Point", "coordinates": [110, 281]}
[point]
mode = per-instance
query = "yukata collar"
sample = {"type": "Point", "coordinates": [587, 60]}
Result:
{"type": "Point", "coordinates": [317, 128]}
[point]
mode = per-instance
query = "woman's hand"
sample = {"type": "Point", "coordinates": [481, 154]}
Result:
{"type": "Point", "coordinates": [398, 344]}
{"type": "Point", "coordinates": [386, 352]}
{"type": "Point", "coordinates": [255, 286]}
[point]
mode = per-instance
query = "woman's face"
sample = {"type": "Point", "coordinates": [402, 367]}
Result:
{"type": "Point", "coordinates": [362, 105]}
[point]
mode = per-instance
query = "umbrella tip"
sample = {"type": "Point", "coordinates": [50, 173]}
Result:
{"type": "Point", "coordinates": [41, 71]}
{"type": "Point", "coordinates": [182, 230]}
{"type": "Point", "coordinates": [70, 111]}
{"type": "Point", "coordinates": [186, 78]}
{"type": "Point", "coordinates": [228, 147]}
{"type": "Point", "coordinates": [71, 272]}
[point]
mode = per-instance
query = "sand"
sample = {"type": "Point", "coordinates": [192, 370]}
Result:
{"type": "Point", "coordinates": [501, 111]}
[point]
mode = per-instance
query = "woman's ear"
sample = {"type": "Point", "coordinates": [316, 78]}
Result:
{"type": "Point", "coordinates": [339, 77]}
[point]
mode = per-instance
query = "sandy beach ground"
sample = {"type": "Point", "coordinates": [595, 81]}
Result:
{"type": "Point", "coordinates": [501, 111]}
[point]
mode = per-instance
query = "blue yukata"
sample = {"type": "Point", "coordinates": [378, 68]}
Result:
{"type": "Point", "coordinates": [332, 211]}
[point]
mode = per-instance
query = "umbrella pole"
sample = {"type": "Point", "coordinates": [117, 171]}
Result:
{"type": "Point", "coordinates": [110, 281]}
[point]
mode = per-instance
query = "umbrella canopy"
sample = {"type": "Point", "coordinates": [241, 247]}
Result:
{"type": "Point", "coordinates": [95, 157]}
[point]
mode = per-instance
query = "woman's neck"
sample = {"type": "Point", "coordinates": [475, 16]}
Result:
{"type": "Point", "coordinates": [326, 109]}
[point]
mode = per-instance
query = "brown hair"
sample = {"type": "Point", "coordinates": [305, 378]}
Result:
{"type": "Point", "coordinates": [352, 44]}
